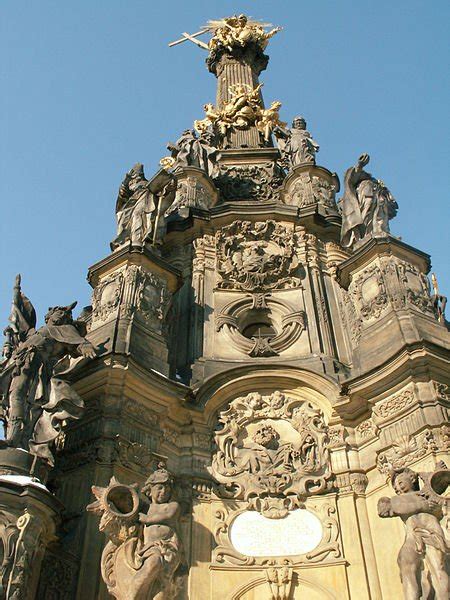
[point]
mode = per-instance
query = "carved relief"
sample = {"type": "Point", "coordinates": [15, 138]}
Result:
{"type": "Point", "coordinates": [271, 447]}
{"type": "Point", "coordinates": [416, 284]}
{"type": "Point", "coordinates": [249, 182]}
{"type": "Point", "coordinates": [279, 580]}
{"type": "Point", "coordinates": [395, 404]}
{"type": "Point", "coordinates": [311, 190]}
{"type": "Point", "coordinates": [191, 193]}
{"type": "Point", "coordinates": [366, 430]}
{"type": "Point", "coordinates": [257, 256]}
{"type": "Point", "coordinates": [368, 292]}
{"type": "Point", "coordinates": [405, 451]}
{"type": "Point", "coordinates": [138, 412]}
{"type": "Point", "coordinates": [135, 456]}
{"type": "Point", "coordinates": [146, 294]}
{"type": "Point", "coordinates": [106, 296]}
{"type": "Point", "coordinates": [336, 436]}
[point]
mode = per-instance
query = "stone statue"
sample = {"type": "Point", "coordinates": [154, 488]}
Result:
{"type": "Point", "coordinates": [35, 396]}
{"type": "Point", "coordinates": [439, 300]}
{"type": "Point", "coordinates": [141, 205]}
{"type": "Point", "coordinates": [191, 150]}
{"type": "Point", "coordinates": [296, 145]}
{"type": "Point", "coordinates": [422, 557]}
{"type": "Point", "coordinates": [367, 205]}
{"type": "Point", "coordinates": [134, 209]}
{"type": "Point", "coordinates": [143, 557]}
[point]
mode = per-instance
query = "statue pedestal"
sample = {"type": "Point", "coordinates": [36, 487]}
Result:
{"type": "Point", "coordinates": [387, 301]}
{"type": "Point", "coordinates": [29, 514]}
{"type": "Point", "coordinates": [312, 189]}
{"type": "Point", "coordinates": [133, 290]}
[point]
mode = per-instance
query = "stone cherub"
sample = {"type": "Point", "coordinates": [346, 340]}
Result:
{"type": "Point", "coordinates": [367, 205]}
{"type": "Point", "coordinates": [140, 207]}
{"type": "Point", "coordinates": [143, 558]}
{"type": "Point", "coordinates": [35, 396]}
{"type": "Point", "coordinates": [296, 144]}
{"type": "Point", "coordinates": [422, 557]}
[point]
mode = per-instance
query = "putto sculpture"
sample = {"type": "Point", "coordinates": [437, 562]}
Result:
{"type": "Point", "coordinates": [140, 206]}
{"type": "Point", "coordinates": [367, 205]}
{"type": "Point", "coordinates": [296, 144]}
{"type": "Point", "coordinates": [36, 397]}
{"type": "Point", "coordinates": [423, 555]}
{"type": "Point", "coordinates": [239, 31]}
{"type": "Point", "coordinates": [143, 558]}
{"type": "Point", "coordinates": [243, 109]}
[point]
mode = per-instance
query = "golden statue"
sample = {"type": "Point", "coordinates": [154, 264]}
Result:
{"type": "Point", "coordinates": [238, 31]}
{"type": "Point", "coordinates": [269, 118]}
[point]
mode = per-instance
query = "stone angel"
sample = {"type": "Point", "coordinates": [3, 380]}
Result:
{"type": "Point", "coordinates": [143, 559]}
{"type": "Point", "coordinates": [36, 397]}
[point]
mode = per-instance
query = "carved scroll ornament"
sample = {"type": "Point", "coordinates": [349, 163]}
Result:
{"type": "Point", "coordinates": [271, 450]}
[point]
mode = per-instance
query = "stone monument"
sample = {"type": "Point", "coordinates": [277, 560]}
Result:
{"type": "Point", "coordinates": [261, 360]}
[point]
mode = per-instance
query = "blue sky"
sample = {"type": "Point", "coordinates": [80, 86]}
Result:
{"type": "Point", "coordinates": [90, 87]}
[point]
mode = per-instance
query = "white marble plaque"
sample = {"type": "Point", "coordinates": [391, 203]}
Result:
{"type": "Point", "coordinates": [252, 534]}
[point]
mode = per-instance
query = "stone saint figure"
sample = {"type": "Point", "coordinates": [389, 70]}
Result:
{"type": "Point", "coordinates": [192, 151]}
{"type": "Point", "coordinates": [143, 559]}
{"type": "Point", "coordinates": [422, 557]}
{"type": "Point", "coordinates": [296, 145]}
{"type": "Point", "coordinates": [36, 399]}
{"type": "Point", "coordinates": [134, 209]}
{"type": "Point", "coordinates": [367, 205]}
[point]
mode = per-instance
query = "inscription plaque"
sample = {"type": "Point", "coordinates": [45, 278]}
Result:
{"type": "Point", "coordinates": [299, 532]}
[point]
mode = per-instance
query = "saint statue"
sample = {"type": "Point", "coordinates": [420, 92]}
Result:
{"type": "Point", "coordinates": [143, 557]}
{"type": "Point", "coordinates": [296, 144]}
{"type": "Point", "coordinates": [134, 209]}
{"type": "Point", "coordinates": [36, 397]}
{"type": "Point", "coordinates": [367, 205]}
{"type": "Point", "coordinates": [141, 205]}
{"type": "Point", "coordinates": [422, 557]}
{"type": "Point", "coordinates": [191, 150]}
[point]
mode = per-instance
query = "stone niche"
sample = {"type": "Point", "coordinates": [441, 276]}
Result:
{"type": "Point", "coordinates": [311, 188]}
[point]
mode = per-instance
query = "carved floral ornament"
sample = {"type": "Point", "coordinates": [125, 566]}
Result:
{"type": "Point", "coordinates": [271, 451]}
